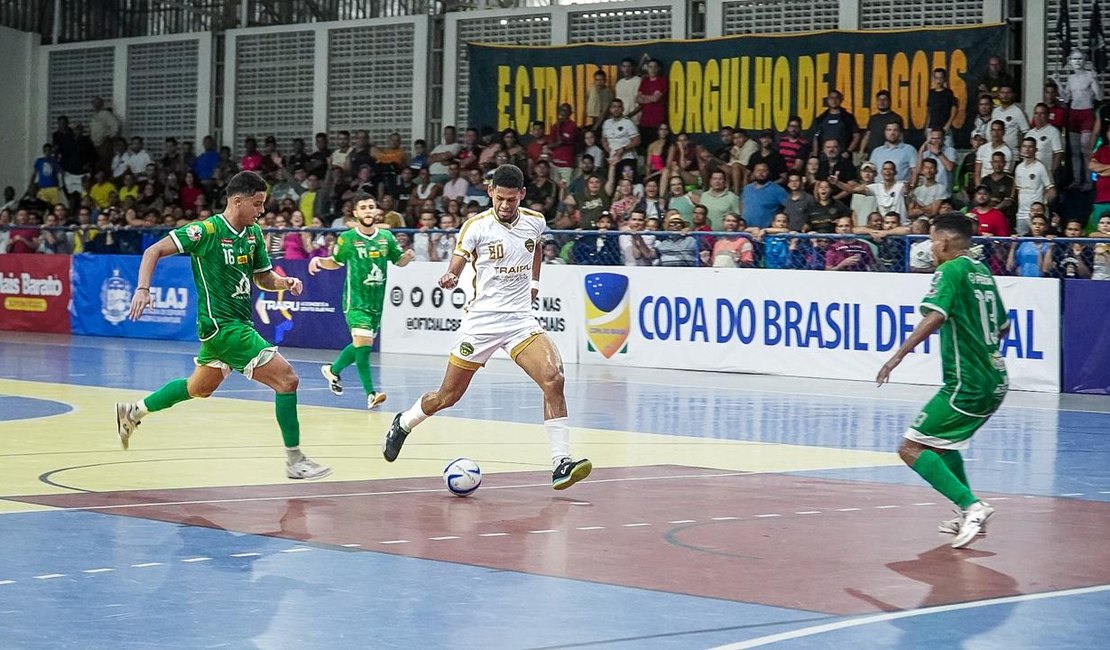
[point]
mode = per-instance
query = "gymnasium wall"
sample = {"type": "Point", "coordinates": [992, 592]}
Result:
{"type": "Point", "coordinates": [17, 145]}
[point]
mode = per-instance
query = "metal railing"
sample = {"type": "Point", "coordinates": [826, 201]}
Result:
{"type": "Point", "coordinates": [1057, 257]}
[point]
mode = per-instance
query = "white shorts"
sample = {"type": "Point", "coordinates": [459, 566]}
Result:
{"type": "Point", "coordinates": [483, 333]}
{"type": "Point", "coordinates": [71, 183]}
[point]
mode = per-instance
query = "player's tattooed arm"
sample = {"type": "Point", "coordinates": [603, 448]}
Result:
{"type": "Point", "coordinates": [270, 281]}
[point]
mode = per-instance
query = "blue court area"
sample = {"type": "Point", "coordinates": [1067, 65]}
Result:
{"type": "Point", "coordinates": [726, 511]}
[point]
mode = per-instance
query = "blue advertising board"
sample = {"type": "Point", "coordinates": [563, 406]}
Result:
{"type": "Point", "coordinates": [313, 319]}
{"type": "Point", "coordinates": [104, 284]}
{"type": "Point", "coordinates": [1086, 337]}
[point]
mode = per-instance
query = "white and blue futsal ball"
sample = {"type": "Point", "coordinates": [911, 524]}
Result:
{"type": "Point", "coordinates": [462, 476]}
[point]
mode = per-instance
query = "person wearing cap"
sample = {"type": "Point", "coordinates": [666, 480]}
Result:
{"type": "Point", "coordinates": [598, 249]}
{"type": "Point", "coordinates": [875, 134]}
{"type": "Point", "coordinates": [991, 221]}
{"type": "Point", "coordinates": [863, 205]}
{"type": "Point", "coordinates": [676, 248]}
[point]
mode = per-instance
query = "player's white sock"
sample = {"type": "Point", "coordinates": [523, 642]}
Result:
{"type": "Point", "coordinates": [558, 434]}
{"type": "Point", "coordinates": [140, 410]}
{"type": "Point", "coordinates": [414, 416]}
{"type": "Point", "coordinates": [294, 454]}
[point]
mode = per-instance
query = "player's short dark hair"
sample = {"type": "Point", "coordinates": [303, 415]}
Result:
{"type": "Point", "coordinates": [956, 224]}
{"type": "Point", "coordinates": [246, 183]}
{"type": "Point", "coordinates": [508, 176]}
{"type": "Point", "coordinates": [361, 196]}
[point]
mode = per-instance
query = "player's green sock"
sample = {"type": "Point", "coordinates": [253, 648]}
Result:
{"type": "Point", "coordinates": [286, 407]}
{"type": "Point", "coordinates": [168, 395]}
{"type": "Point", "coordinates": [933, 469]}
{"type": "Point", "coordinates": [344, 360]}
{"type": "Point", "coordinates": [955, 462]}
{"type": "Point", "coordinates": [362, 362]}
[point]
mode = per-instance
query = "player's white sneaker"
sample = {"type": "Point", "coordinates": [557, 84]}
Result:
{"type": "Point", "coordinates": [952, 526]}
{"type": "Point", "coordinates": [334, 385]}
{"type": "Point", "coordinates": [306, 469]}
{"type": "Point", "coordinates": [374, 400]}
{"type": "Point", "coordinates": [975, 516]}
{"type": "Point", "coordinates": [126, 422]}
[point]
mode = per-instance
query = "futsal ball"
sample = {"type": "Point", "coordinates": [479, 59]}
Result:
{"type": "Point", "coordinates": [462, 476]}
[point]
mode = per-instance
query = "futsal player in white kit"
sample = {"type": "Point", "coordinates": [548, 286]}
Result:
{"type": "Point", "coordinates": [503, 246]}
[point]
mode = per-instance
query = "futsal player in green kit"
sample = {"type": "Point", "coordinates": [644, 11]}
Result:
{"type": "Point", "coordinates": [228, 251]}
{"type": "Point", "coordinates": [366, 250]}
{"type": "Point", "coordinates": [964, 304]}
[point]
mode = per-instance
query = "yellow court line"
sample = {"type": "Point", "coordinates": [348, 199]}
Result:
{"type": "Point", "coordinates": [222, 442]}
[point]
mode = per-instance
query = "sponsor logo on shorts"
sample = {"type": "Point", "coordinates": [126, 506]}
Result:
{"type": "Point", "coordinates": [466, 349]}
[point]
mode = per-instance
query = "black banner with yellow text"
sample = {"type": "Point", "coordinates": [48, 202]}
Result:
{"type": "Point", "coordinates": [754, 82]}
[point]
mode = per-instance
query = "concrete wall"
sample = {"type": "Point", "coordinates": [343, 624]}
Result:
{"type": "Point", "coordinates": [17, 145]}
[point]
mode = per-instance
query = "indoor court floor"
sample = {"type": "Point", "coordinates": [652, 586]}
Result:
{"type": "Point", "coordinates": [724, 511]}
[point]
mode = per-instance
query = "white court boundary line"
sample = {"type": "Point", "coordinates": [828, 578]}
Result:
{"type": "Point", "coordinates": [891, 616]}
{"type": "Point", "coordinates": [285, 497]}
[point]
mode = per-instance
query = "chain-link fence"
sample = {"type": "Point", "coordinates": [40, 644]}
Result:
{"type": "Point", "coordinates": [1058, 257]}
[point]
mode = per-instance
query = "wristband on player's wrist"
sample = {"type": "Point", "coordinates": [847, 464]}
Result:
{"type": "Point", "coordinates": [536, 284]}
{"type": "Point", "coordinates": [142, 288]}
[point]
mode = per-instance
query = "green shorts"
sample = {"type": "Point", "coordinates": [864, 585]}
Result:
{"type": "Point", "coordinates": [948, 422]}
{"type": "Point", "coordinates": [363, 323]}
{"type": "Point", "coordinates": [236, 346]}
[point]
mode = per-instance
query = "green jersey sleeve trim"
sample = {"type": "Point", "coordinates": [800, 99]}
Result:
{"type": "Point", "coordinates": [176, 241]}
{"type": "Point", "coordinates": [928, 306]}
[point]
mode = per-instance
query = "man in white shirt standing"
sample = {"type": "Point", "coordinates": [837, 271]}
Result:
{"type": "Point", "coordinates": [1033, 183]}
{"type": "Point", "coordinates": [619, 136]}
{"type": "Point", "coordinates": [893, 149]}
{"type": "Point", "coordinates": [1011, 115]}
{"type": "Point", "coordinates": [504, 246]}
{"type": "Point", "coordinates": [628, 88]}
{"type": "Point", "coordinates": [996, 144]}
{"type": "Point", "coordinates": [637, 249]}
{"type": "Point", "coordinates": [1050, 146]}
{"type": "Point", "coordinates": [104, 128]}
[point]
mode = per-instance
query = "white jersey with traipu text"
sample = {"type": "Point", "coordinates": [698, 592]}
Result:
{"type": "Point", "coordinates": [500, 256]}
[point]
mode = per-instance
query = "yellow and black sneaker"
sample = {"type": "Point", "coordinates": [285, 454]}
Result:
{"type": "Point", "coordinates": [570, 472]}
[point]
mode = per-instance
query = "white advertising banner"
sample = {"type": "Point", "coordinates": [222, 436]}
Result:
{"type": "Point", "coordinates": [799, 323]}
{"type": "Point", "coordinates": [421, 318]}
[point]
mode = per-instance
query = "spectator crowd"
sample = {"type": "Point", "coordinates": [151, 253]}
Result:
{"type": "Point", "coordinates": [618, 187]}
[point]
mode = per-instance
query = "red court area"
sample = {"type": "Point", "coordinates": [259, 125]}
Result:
{"type": "Point", "coordinates": [841, 547]}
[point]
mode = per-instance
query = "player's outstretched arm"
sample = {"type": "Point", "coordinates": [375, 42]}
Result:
{"type": "Point", "coordinates": [931, 323]}
{"type": "Point", "coordinates": [270, 281]}
{"type": "Point", "coordinates": [316, 264]}
{"type": "Point", "coordinates": [141, 300]}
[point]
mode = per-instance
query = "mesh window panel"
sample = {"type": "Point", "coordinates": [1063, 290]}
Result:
{"type": "Point", "coordinates": [162, 92]}
{"type": "Point", "coordinates": [370, 80]}
{"type": "Point", "coordinates": [507, 30]}
{"type": "Point", "coordinates": [779, 16]}
{"type": "Point", "coordinates": [896, 14]}
{"type": "Point", "coordinates": [614, 26]}
{"type": "Point", "coordinates": [1055, 58]}
{"type": "Point", "coordinates": [273, 88]}
{"type": "Point", "coordinates": [76, 76]}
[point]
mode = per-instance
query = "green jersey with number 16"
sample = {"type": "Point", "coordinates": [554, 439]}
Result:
{"type": "Point", "coordinates": [224, 260]}
{"type": "Point", "coordinates": [367, 259]}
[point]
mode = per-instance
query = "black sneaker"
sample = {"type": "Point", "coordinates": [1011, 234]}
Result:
{"type": "Point", "coordinates": [570, 472]}
{"type": "Point", "coordinates": [394, 438]}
